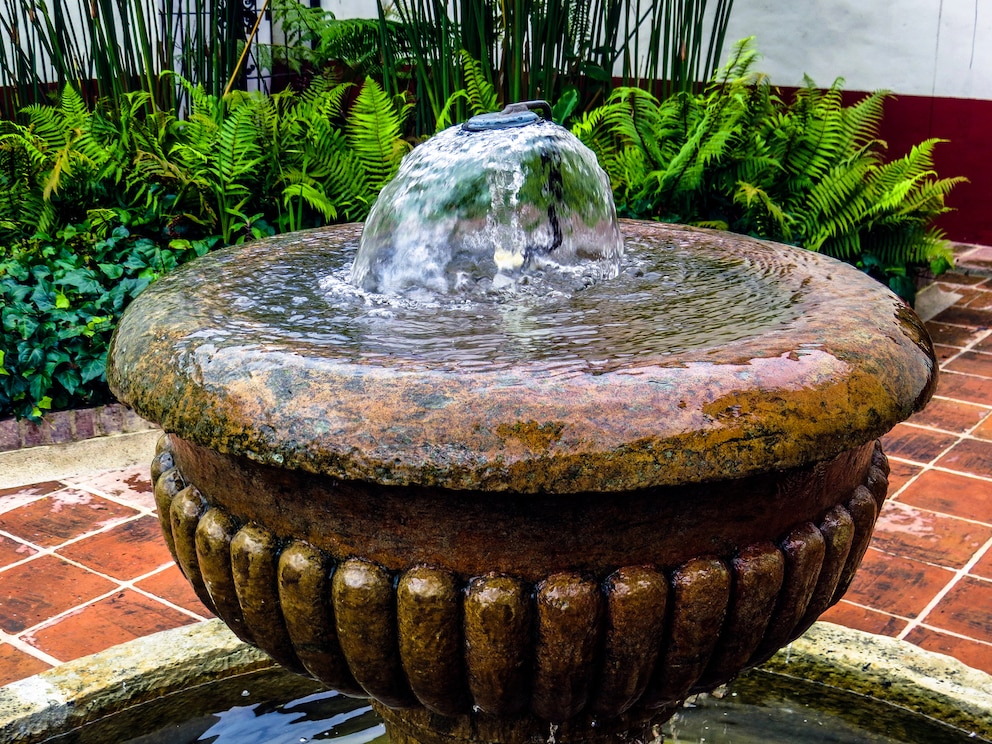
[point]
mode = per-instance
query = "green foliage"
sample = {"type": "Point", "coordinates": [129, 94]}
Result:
{"type": "Point", "coordinates": [60, 298]}
{"type": "Point", "coordinates": [239, 165]}
{"type": "Point", "coordinates": [809, 172]}
{"type": "Point", "coordinates": [95, 204]}
{"type": "Point", "coordinates": [316, 42]}
{"type": "Point", "coordinates": [65, 158]}
{"type": "Point", "coordinates": [292, 160]}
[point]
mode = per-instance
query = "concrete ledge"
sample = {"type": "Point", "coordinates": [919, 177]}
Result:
{"type": "Point", "coordinates": [895, 671]}
{"type": "Point", "coordinates": [74, 693]}
{"type": "Point", "coordinates": [57, 461]}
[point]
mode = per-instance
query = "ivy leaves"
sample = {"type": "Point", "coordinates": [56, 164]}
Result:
{"type": "Point", "coordinates": [61, 297]}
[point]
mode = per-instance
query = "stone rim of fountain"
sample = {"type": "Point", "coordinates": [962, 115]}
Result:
{"type": "Point", "coordinates": [863, 363]}
{"type": "Point", "coordinates": [87, 689]}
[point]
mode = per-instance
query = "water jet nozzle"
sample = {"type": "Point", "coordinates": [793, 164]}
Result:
{"type": "Point", "coordinates": [514, 115]}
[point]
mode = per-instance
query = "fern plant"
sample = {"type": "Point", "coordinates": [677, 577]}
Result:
{"type": "Point", "coordinates": [290, 161]}
{"type": "Point", "coordinates": [810, 171]}
{"type": "Point", "coordinates": [63, 159]}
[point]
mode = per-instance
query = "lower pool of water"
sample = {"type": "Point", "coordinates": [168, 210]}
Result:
{"type": "Point", "coordinates": [277, 707]}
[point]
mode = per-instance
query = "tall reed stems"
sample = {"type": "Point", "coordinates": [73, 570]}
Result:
{"type": "Point", "coordinates": [106, 48]}
{"type": "Point", "coordinates": [542, 48]}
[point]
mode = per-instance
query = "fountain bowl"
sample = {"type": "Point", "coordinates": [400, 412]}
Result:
{"type": "Point", "coordinates": [566, 510]}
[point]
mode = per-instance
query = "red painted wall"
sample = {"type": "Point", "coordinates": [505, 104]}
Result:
{"type": "Point", "coordinates": [967, 123]}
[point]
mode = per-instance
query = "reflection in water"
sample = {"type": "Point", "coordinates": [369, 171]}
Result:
{"type": "Point", "coordinates": [320, 716]}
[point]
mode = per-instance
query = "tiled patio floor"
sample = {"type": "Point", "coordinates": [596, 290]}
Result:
{"type": "Point", "coordinates": [82, 566]}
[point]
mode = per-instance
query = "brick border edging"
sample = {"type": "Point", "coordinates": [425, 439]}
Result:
{"type": "Point", "coordinates": [62, 427]}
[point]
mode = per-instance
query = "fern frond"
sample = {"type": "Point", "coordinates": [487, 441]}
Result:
{"type": "Point", "coordinates": [750, 197]}
{"type": "Point", "coordinates": [448, 113]}
{"type": "Point", "coordinates": [373, 131]}
{"type": "Point", "coordinates": [481, 94]}
{"type": "Point", "coordinates": [307, 190]}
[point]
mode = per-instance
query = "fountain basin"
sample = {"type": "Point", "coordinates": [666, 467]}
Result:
{"type": "Point", "coordinates": [567, 510]}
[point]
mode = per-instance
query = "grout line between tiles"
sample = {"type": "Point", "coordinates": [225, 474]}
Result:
{"type": "Point", "coordinates": [945, 631]}
{"type": "Point", "coordinates": [949, 399]}
{"type": "Point", "coordinates": [26, 648]}
{"type": "Point", "coordinates": [914, 507]}
{"type": "Point", "coordinates": [958, 575]}
{"type": "Point", "coordinates": [51, 550]}
{"type": "Point", "coordinates": [861, 606]}
{"type": "Point", "coordinates": [109, 497]}
{"type": "Point", "coordinates": [119, 586]}
{"type": "Point", "coordinates": [29, 501]}
{"type": "Point", "coordinates": [167, 603]}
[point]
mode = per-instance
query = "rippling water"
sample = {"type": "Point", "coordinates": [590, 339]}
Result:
{"type": "Point", "coordinates": [666, 299]}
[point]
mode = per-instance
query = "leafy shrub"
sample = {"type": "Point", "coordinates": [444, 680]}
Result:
{"type": "Point", "coordinates": [60, 299]}
{"type": "Point", "coordinates": [240, 165]}
{"type": "Point", "coordinates": [94, 204]}
{"type": "Point", "coordinates": [810, 172]}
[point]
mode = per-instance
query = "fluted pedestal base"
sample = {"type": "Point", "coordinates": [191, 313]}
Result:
{"type": "Point", "coordinates": [419, 726]}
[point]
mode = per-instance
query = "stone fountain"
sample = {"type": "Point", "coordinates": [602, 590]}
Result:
{"type": "Point", "coordinates": [510, 468]}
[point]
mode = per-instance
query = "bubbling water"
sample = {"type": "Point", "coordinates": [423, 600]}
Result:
{"type": "Point", "coordinates": [470, 207]}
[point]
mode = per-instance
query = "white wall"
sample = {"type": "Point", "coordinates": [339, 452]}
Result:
{"type": "Point", "coordinates": [914, 47]}
{"type": "Point", "coordinates": [352, 8]}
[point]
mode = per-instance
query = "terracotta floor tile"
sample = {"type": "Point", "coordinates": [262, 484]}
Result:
{"type": "Point", "coordinates": [131, 485]}
{"type": "Point", "coordinates": [61, 515]}
{"type": "Point", "coordinates": [969, 456]}
{"type": "Point", "coordinates": [128, 550]}
{"type": "Point", "coordinates": [950, 493]}
{"type": "Point", "coordinates": [171, 585]}
{"type": "Point", "coordinates": [15, 664]}
{"type": "Point", "coordinates": [910, 532]}
{"type": "Point", "coordinates": [950, 415]}
{"type": "Point", "coordinates": [972, 363]}
{"type": "Point", "coordinates": [964, 316]}
{"type": "Point", "coordinates": [900, 586]}
{"type": "Point", "coordinates": [955, 277]}
{"type": "Point", "coordinates": [916, 444]}
{"type": "Point", "coordinates": [123, 617]}
{"type": "Point", "coordinates": [983, 568]}
{"type": "Point", "coordinates": [945, 352]}
{"type": "Point", "coordinates": [965, 610]}
{"type": "Point", "coordinates": [45, 586]}
{"type": "Point", "coordinates": [967, 293]}
{"type": "Point", "coordinates": [984, 430]}
{"type": "Point", "coordinates": [965, 387]}
{"type": "Point", "coordinates": [952, 335]}
{"type": "Point", "coordinates": [861, 618]}
{"type": "Point", "coordinates": [974, 654]}
{"type": "Point", "coordinates": [985, 344]}
{"type": "Point", "coordinates": [12, 551]}
{"type": "Point", "coordinates": [13, 498]}
{"type": "Point", "coordinates": [900, 473]}
{"type": "Point", "coordinates": [981, 301]}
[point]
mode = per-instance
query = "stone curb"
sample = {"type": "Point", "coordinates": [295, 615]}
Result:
{"type": "Point", "coordinates": [63, 427]}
